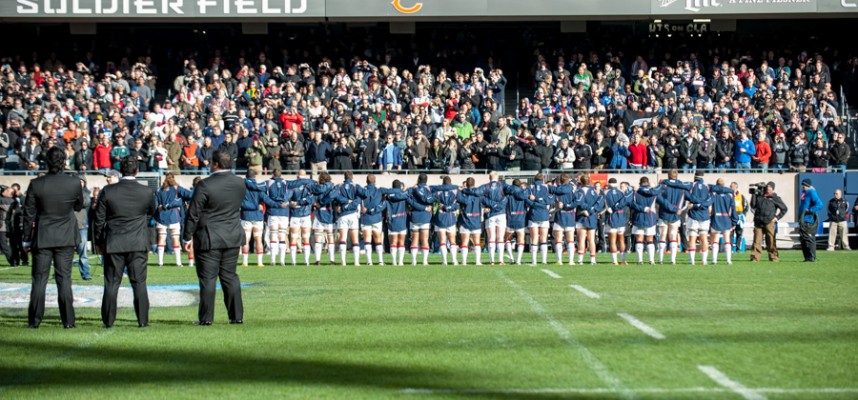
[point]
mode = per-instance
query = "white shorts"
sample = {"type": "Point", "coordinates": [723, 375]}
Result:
{"type": "Point", "coordinates": [464, 231]}
{"type": "Point", "coordinates": [349, 222]}
{"type": "Point", "coordinates": [300, 222]}
{"type": "Point", "coordinates": [281, 222]}
{"type": "Point", "coordinates": [674, 224]}
{"type": "Point", "coordinates": [636, 230]}
{"type": "Point", "coordinates": [579, 225]}
{"type": "Point", "coordinates": [320, 226]}
{"type": "Point", "coordinates": [419, 227]}
{"type": "Point", "coordinates": [449, 229]}
{"type": "Point", "coordinates": [376, 227]}
{"type": "Point", "coordinates": [172, 227]}
{"type": "Point", "coordinates": [515, 230]}
{"type": "Point", "coordinates": [542, 225]}
{"type": "Point", "coordinates": [248, 225]}
{"type": "Point", "coordinates": [396, 233]}
{"type": "Point", "coordinates": [558, 227]}
{"type": "Point", "coordinates": [498, 221]}
{"type": "Point", "coordinates": [621, 230]}
{"type": "Point", "coordinates": [697, 228]}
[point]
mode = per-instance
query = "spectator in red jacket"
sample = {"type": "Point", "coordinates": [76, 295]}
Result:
{"type": "Point", "coordinates": [764, 152]}
{"type": "Point", "coordinates": [101, 155]}
{"type": "Point", "coordinates": [291, 120]}
{"type": "Point", "coordinates": [638, 159]}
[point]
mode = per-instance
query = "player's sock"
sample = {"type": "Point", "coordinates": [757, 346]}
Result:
{"type": "Point", "coordinates": [444, 252]}
{"type": "Point", "coordinates": [693, 254]}
{"type": "Point", "coordinates": [160, 255]}
{"type": "Point", "coordinates": [520, 253]}
{"type": "Point", "coordinates": [306, 253]}
{"type": "Point", "coordinates": [558, 249]}
{"type": "Point", "coordinates": [465, 255]}
{"type": "Point", "coordinates": [331, 252]}
{"type": "Point", "coordinates": [715, 248]}
{"type": "Point", "coordinates": [356, 253]}
{"type": "Point", "coordinates": [379, 251]}
{"type": "Point", "coordinates": [367, 248]}
{"type": "Point", "coordinates": [580, 257]}
{"type": "Point", "coordinates": [614, 256]}
{"type": "Point", "coordinates": [661, 247]}
{"type": "Point", "coordinates": [243, 257]}
{"type": "Point", "coordinates": [478, 251]}
{"type": "Point", "coordinates": [533, 248]}
{"type": "Point", "coordinates": [674, 248]}
{"type": "Point", "coordinates": [414, 255]}
{"type": "Point", "coordinates": [343, 252]}
{"type": "Point", "coordinates": [317, 248]}
{"type": "Point", "coordinates": [284, 248]}
{"type": "Point", "coordinates": [728, 250]}
{"type": "Point", "coordinates": [650, 248]}
{"type": "Point", "coordinates": [509, 249]}
{"type": "Point", "coordinates": [425, 255]}
{"type": "Point", "coordinates": [501, 247]}
{"type": "Point", "coordinates": [570, 247]}
{"type": "Point", "coordinates": [177, 251]}
{"type": "Point", "coordinates": [492, 248]}
{"type": "Point", "coordinates": [592, 258]}
{"type": "Point", "coordinates": [639, 247]}
{"type": "Point", "coordinates": [273, 249]}
{"type": "Point", "coordinates": [455, 249]}
{"type": "Point", "coordinates": [705, 256]}
{"type": "Point", "coordinates": [544, 249]}
{"type": "Point", "coordinates": [402, 254]}
{"type": "Point", "coordinates": [293, 252]}
{"type": "Point", "coordinates": [259, 257]}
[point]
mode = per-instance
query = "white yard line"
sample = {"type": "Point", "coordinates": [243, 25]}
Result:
{"type": "Point", "coordinates": [586, 391]}
{"type": "Point", "coordinates": [600, 369]}
{"type": "Point", "coordinates": [586, 292]}
{"type": "Point", "coordinates": [642, 326]}
{"type": "Point", "coordinates": [725, 381]}
{"type": "Point", "coordinates": [3, 269]}
{"type": "Point", "coordinates": [551, 273]}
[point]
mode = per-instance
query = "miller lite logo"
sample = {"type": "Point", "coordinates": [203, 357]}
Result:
{"type": "Point", "coordinates": [693, 5]}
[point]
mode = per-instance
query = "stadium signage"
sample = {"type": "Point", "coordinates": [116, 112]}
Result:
{"type": "Point", "coordinates": [733, 6]}
{"type": "Point", "coordinates": [163, 8]}
{"type": "Point", "coordinates": [692, 27]}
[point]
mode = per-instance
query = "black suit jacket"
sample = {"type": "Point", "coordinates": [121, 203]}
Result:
{"type": "Point", "coordinates": [49, 219]}
{"type": "Point", "coordinates": [122, 216]}
{"type": "Point", "coordinates": [213, 220]}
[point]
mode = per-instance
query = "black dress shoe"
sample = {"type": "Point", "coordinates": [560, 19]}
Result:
{"type": "Point", "coordinates": [70, 326]}
{"type": "Point", "coordinates": [108, 326]}
{"type": "Point", "coordinates": [143, 325]}
{"type": "Point", "coordinates": [236, 321]}
{"type": "Point", "coordinates": [87, 278]}
{"type": "Point", "coordinates": [32, 327]}
{"type": "Point", "coordinates": [202, 323]}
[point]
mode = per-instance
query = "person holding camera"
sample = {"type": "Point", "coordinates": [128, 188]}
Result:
{"type": "Point", "coordinates": [808, 210]}
{"type": "Point", "coordinates": [768, 208]}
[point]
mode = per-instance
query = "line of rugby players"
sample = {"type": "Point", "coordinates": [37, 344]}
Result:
{"type": "Point", "coordinates": [301, 209]}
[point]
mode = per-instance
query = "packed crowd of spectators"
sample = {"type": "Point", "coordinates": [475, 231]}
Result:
{"type": "Point", "coordinates": [586, 112]}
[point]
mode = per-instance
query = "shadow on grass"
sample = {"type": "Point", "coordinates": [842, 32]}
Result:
{"type": "Point", "coordinates": [170, 368]}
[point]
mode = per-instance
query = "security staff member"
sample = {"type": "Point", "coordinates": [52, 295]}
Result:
{"type": "Point", "coordinates": [768, 210]}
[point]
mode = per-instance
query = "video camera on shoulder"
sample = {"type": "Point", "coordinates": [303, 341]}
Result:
{"type": "Point", "coordinates": [757, 188]}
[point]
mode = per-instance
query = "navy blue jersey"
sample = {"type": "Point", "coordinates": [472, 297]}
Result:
{"type": "Point", "coordinates": [616, 203]}
{"type": "Point", "coordinates": [254, 197]}
{"type": "Point", "coordinates": [420, 198]}
{"type": "Point", "coordinates": [469, 217]}
{"type": "Point", "coordinates": [277, 191]}
{"type": "Point", "coordinates": [372, 198]}
{"type": "Point", "coordinates": [589, 204]}
{"type": "Point", "coordinates": [517, 199]}
{"type": "Point", "coordinates": [445, 196]}
{"type": "Point", "coordinates": [542, 198]}
{"type": "Point", "coordinates": [397, 218]}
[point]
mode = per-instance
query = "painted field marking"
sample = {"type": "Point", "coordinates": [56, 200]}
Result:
{"type": "Point", "coordinates": [725, 381]}
{"type": "Point", "coordinates": [586, 391]}
{"type": "Point", "coordinates": [5, 268]}
{"type": "Point", "coordinates": [551, 273]}
{"type": "Point", "coordinates": [600, 369]}
{"type": "Point", "coordinates": [642, 326]}
{"type": "Point", "coordinates": [586, 292]}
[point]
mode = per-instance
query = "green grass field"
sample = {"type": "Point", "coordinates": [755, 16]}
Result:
{"type": "Point", "coordinates": [754, 331]}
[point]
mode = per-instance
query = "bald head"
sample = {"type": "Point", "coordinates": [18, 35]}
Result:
{"type": "Point", "coordinates": [302, 174]}
{"type": "Point", "coordinates": [838, 194]}
{"type": "Point", "coordinates": [493, 176]}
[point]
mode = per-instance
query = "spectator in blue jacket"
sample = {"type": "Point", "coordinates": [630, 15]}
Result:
{"type": "Point", "coordinates": [744, 150]}
{"type": "Point", "coordinates": [318, 153]}
{"type": "Point", "coordinates": [808, 208]}
{"type": "Point", "coordinates": [390, 157]}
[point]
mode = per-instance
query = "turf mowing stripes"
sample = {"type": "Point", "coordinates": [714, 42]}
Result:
{"type": "Point", "coordinates": [600, 369]}
{"type": "Point", "coordinates": [586, 292]}
{"type": "Point", "coordinates": [592, 391]}
{"type": "Point", "coordinates": [723, 380]}
{"type": "Point", "coordinates": [551, 273]}
{"type": "Point", "coordinates": [642, 326]}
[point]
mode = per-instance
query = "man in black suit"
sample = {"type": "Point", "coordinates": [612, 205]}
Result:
{"type": "Point", "coordinates": [50, 228]}
{"type": "Point", "coordinates": [213, 231]}
{"type": "Point", "coordinates": [121, 226]}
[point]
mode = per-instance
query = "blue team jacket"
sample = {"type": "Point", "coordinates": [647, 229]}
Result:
{"type": "Point", "coordinates": [517, 200]}
{"type": "Point", "coordinates": [397, 217]}
{"type": "Point", "coordinates": [673, 193]}
{"type": "Point", "coordinates": [472, 207]}
{"type": "Point", "coordinates": [253, 198]}
{"type": "Point", "coordinates": [445, 196]}
{"type": "Point", "coordinates": [539, 205]}
{"type": "Point", "coordinates": [277, 191]}
{"type": "Point", "coordinates": [586, 199]}
{"type": "Point", "coordinates": [372, 199]}
{"type": "Point", "coordinates": [724, 215]}
{"type": "Point", "coordinates": [419, 198]}
{"type": "Point", "coordinates": [617, 202]}
{"type": "Point", "coordinates": [565, 194]}
{"type": "Point", "coordinates": [347, 197]}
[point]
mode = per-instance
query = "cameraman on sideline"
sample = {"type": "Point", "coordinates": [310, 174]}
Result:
{"type": "Point", "coordinates": [768, 209]}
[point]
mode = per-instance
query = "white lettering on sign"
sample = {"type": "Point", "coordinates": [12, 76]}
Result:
{"type": "Point", "coordinates": [848, 4]}
{"type": "Point", "coordinates": [159, 7]}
